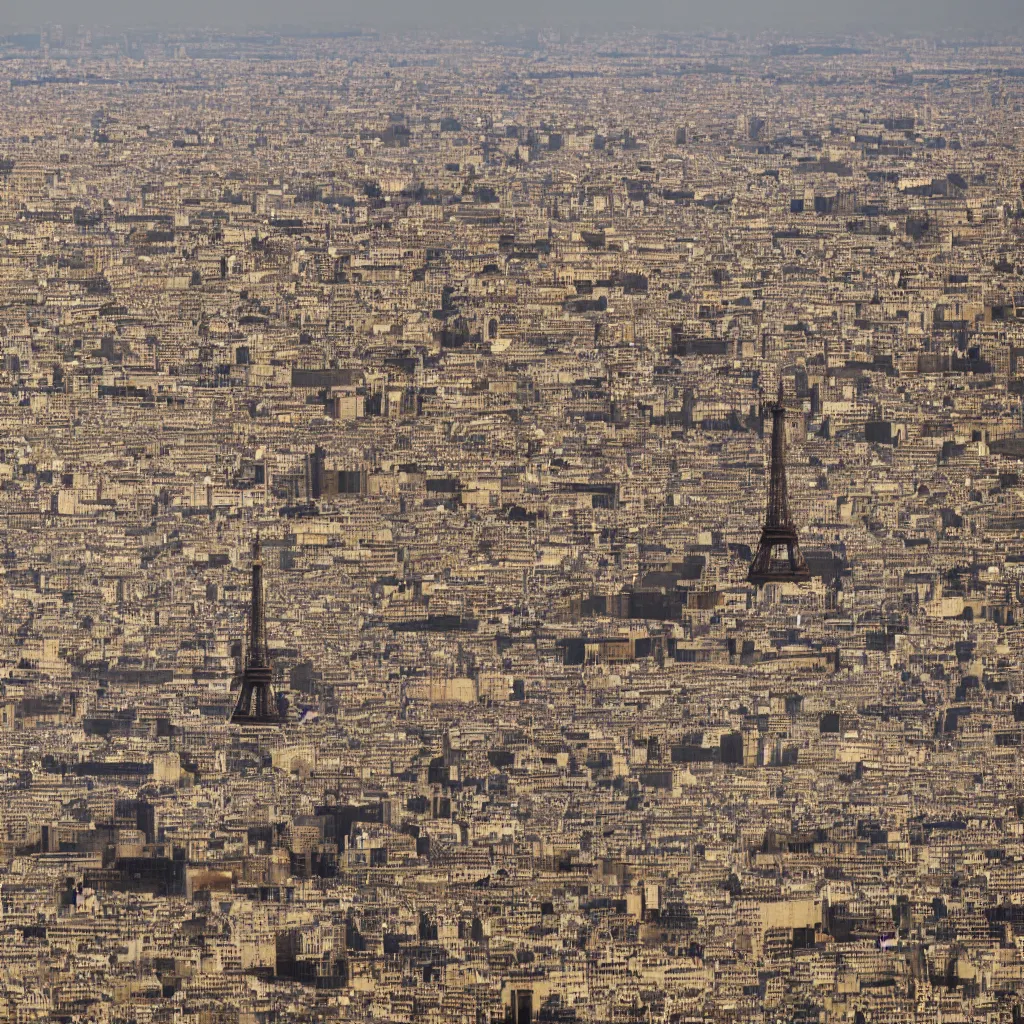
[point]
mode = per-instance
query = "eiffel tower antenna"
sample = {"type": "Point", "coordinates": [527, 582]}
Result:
{"type": "Point", "coordinates": [778, 531]}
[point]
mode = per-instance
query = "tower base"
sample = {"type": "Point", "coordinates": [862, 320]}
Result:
{"type": "Point", "coordinates": [256, 703]}
{"type": "Point", "coordinates": [766, 568]}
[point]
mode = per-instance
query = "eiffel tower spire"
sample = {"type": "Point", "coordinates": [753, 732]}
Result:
{"type": "Point", "coordinates": [257, 654]}
{"type": "Point", "coordinates": [778, 531]}
{"type": "Point", "coordinates": [256, 703]}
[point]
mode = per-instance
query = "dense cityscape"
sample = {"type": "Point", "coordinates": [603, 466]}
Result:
{"type": "Point", "coordinates": [526, 528]}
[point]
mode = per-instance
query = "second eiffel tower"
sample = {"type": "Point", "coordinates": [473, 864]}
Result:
{"type": "Point", "coordinates": [778, 558]}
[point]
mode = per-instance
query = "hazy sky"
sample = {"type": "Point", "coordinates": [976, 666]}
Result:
{"type": "Point", "coordinates": [794, 17]}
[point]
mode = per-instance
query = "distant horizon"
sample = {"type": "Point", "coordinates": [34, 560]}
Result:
{"type": "Point", "coordinates": [543, 34]}
{"type": "Point", "coordinates": [984, 22]}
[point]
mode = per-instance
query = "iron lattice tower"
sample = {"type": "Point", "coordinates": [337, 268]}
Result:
{"type": "Point", "coordinates": [257, 704]}
{"type": "Point", "coordinates": [778, 531]}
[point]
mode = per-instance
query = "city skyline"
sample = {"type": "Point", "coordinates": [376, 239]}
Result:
{"type": "Point", "coordinates": [524, 528]}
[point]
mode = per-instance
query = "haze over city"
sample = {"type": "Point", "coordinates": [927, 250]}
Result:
{"type": "Point", "coordinates": [511, 515]}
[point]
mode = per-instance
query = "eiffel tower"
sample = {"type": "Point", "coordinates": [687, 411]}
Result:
{"type": "Point", "coordinates": [256, 703]}
{"type": "Point", "coordinates": [779, 531]}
